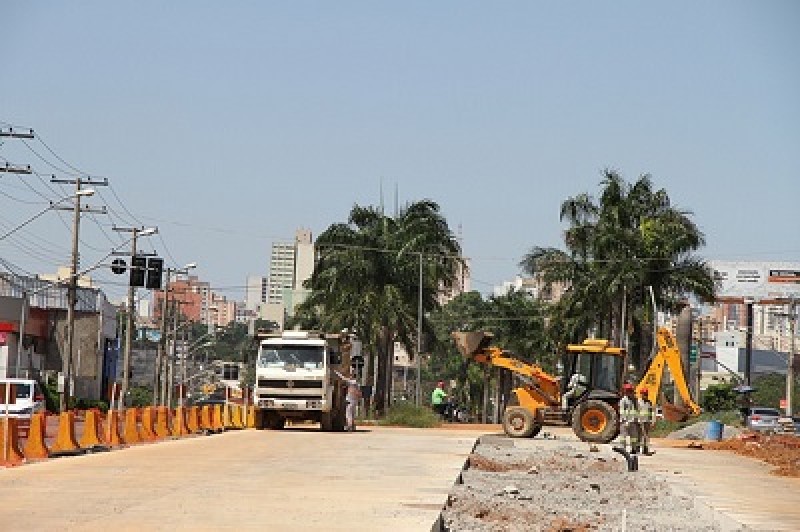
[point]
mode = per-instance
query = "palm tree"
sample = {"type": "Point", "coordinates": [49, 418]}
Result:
{"type": "Point", "coordinates": [367, 278]}
{"type": "Point", "coordinates": [629, 240]}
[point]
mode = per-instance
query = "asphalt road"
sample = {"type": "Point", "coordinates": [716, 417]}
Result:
{"type": "Point", "coordinates": [295, 479]}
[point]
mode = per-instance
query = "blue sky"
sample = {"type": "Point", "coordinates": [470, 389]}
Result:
{"type": "Point", "coordinates": [230, 127]}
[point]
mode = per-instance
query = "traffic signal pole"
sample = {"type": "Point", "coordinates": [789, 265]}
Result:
{"type": "Point", "coordinates": [126, 364]}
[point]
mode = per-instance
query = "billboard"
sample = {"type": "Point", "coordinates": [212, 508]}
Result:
{"type": "Point", "coordinates": [761, 281]}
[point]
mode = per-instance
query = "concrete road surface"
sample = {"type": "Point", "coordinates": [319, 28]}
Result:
{"type": "Point", "coordinates": [295, 479]}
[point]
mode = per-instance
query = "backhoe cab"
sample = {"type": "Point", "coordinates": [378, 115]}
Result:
{"type": "Point", "coordinates": [591, 407]}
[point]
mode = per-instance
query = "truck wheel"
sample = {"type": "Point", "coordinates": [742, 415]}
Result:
{"type": "Point", "coordinates": [273, 421]}
{"type": "Point", "coordinates": [518, 422]}
{"type": "Point", "coordinates": [326, 422]}
{"type": "Point", "coordinates": [260, 419]}
{"type": "Point", "coordinates": [595, 421]}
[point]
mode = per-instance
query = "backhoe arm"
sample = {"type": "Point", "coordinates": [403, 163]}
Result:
{"type": "Point", "coordinates": [670, 356]}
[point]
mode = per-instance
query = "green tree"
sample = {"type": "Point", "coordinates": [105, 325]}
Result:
{"type": "Point", "coordinates": [367, 278]}
{"type": "Point", "coordinates": [630, 239]}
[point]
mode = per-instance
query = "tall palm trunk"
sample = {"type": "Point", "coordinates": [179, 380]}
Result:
{"type": "Point", "coordinates": [381, 387]}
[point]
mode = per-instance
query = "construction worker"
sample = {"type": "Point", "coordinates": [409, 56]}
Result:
{"type": "Point", "coordinates": [628, 417]}
{"type": "Point", "coordinates": [437, 398]}
{"type": "Point", "coordinates": [575, 388]}
{"type": "Point", "coordinates": [646, 415]}
{"type": "Point", "coordinates": [352, 397]}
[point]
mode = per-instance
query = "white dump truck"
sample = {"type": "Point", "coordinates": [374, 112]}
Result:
{"type": "Point", "coordinates": [295, 379]}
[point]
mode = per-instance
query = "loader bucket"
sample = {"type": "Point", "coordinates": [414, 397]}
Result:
{"type": "Point", "coordinates": [471, 343]}
{"type": "Point", "coordinates": [673, 412]}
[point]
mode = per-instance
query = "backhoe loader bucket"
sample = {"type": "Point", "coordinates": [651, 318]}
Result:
{"type": "Point", "coordinates": [471, 343]}
{"type": "Point", "coordinates": [673, 412]}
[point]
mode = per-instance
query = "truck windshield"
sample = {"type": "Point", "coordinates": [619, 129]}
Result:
{"type": "Point", "coordinates": [291, 356]}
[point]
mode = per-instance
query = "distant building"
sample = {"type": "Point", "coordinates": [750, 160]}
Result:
{"type": "Point", "coordinates": [533, 286]}
{"type": "Point", "coordinates": [257, 292]}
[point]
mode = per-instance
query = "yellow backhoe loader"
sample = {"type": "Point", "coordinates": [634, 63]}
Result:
{"type": "Point", "coordinates": [591, 407]}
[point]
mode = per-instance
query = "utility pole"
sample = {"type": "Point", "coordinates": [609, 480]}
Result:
{"type": "Point", "coordinates": [748, 345]}
{"type": "Point", "coordinates": [418, 400]}
{"type": "Point", "coordinates": [790, 368]}
{"type": "Point", "coordinates": [126, 364]}
{"type": "Point", "coordinates": [73, 278]}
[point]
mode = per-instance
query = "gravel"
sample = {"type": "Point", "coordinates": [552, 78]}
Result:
{"type": "Point", "coordinates": [530, 485]}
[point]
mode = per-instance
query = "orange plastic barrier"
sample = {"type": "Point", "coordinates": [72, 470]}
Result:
{"type": "Point", "coordinates": [216, 419]}
{"type": "Point", "coordinates": [179, 427]}
{"type": "Point", "coordinates": [193, 420]}
{"type": "Point", "coordinates": [113, 436]}
{"type": "Point", "coordinates": [65, 440]}
{"type": "Point", "coordinates": [131, 430]}
{"type": "Point", "coordinates": [251, 417]}
{"type": "Point", "coordinates": [91, 435]}
{"type": "Point", "coordinates": [206, 418]}
{"type": "Point", "coordinates": [237, 417]}
{"type": "Point", "coordinates": [35, 446]}
{"type": "Point", "coordinates": [162, 422]}
{"type": "Point", "coordinates": [9, 441]}
{"type": "Point", "coordinates": [148, 431]}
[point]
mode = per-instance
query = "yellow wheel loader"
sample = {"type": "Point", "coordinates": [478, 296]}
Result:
{"type": "Point", "coordinates": [586, 397]}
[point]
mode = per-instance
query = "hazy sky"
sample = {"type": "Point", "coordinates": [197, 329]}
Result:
{"type": "Point", "coordinates": [230, 127]}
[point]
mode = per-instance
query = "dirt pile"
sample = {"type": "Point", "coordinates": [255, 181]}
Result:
{"type": "Point", "coordinates": [511, 485]}
{"type": "Point", "coordinates": [782, 451]}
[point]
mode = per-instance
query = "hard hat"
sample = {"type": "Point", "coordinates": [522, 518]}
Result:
{"type": "Point", "coordinates": [643, 391]}
{"type": "Point", "coordinates": [440, 383]}
{"type": "Point", "coordinates": [627, 387]}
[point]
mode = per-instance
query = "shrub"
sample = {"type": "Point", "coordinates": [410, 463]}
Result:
{"type": "Point", "coordinates": [406, 414]}
{"type": "Point", "coordinates": [718, 397]}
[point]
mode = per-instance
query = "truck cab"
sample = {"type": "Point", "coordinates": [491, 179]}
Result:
{"type": "Point", "coordinates": [295, 379]}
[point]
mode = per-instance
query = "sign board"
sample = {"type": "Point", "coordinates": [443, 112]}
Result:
{"type": "Point", "coordinates": [693, 354]}
{"type": "Point", "coordinates": [760, 281]}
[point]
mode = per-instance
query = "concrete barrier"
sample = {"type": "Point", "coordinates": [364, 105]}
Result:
{"type": "Point", "coordinates": [9, 440]}
{"type": "Point", "coordinates": [35, 446]}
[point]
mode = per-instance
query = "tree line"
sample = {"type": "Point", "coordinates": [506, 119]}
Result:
{"type": "Point", "coordinates": [622, 251]}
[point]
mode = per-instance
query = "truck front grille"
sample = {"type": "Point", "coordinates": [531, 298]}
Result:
{"type": "Point", "coordinates": [289, 383]}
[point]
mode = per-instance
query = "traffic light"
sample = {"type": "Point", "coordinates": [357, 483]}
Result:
{"type": "Point", "coordinates": [155, 268]}
{"type": "Point", "coordinates": [138, 267]}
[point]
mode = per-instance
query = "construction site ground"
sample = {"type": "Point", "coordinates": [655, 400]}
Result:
{"type": "Point", "coordinates": [394, 479]}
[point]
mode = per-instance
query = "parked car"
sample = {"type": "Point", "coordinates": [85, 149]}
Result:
{"type": "Point", "coordinates": [763, 419]}
{"type": "Point", "coordinates": [24, 398]}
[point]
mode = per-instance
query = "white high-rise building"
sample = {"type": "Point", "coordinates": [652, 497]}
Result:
{"type": "Point", "coordinates": [290, 265]}
{"type": "Point", "coordinates": [281, 270]}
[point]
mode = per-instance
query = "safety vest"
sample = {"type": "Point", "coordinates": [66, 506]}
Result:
{"type": "Point", "coordinates": [627, 409]}
{"type": "Point", "coordinates": [646, 411]}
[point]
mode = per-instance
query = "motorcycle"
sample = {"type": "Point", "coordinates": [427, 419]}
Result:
{"type": "Point", "coordinates": [455, 413]}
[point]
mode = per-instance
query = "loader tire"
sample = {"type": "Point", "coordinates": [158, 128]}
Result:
{"type": "Point", "coordinates": [595, 421]}
{"type": "Point", "coordinates": [518, 422]}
